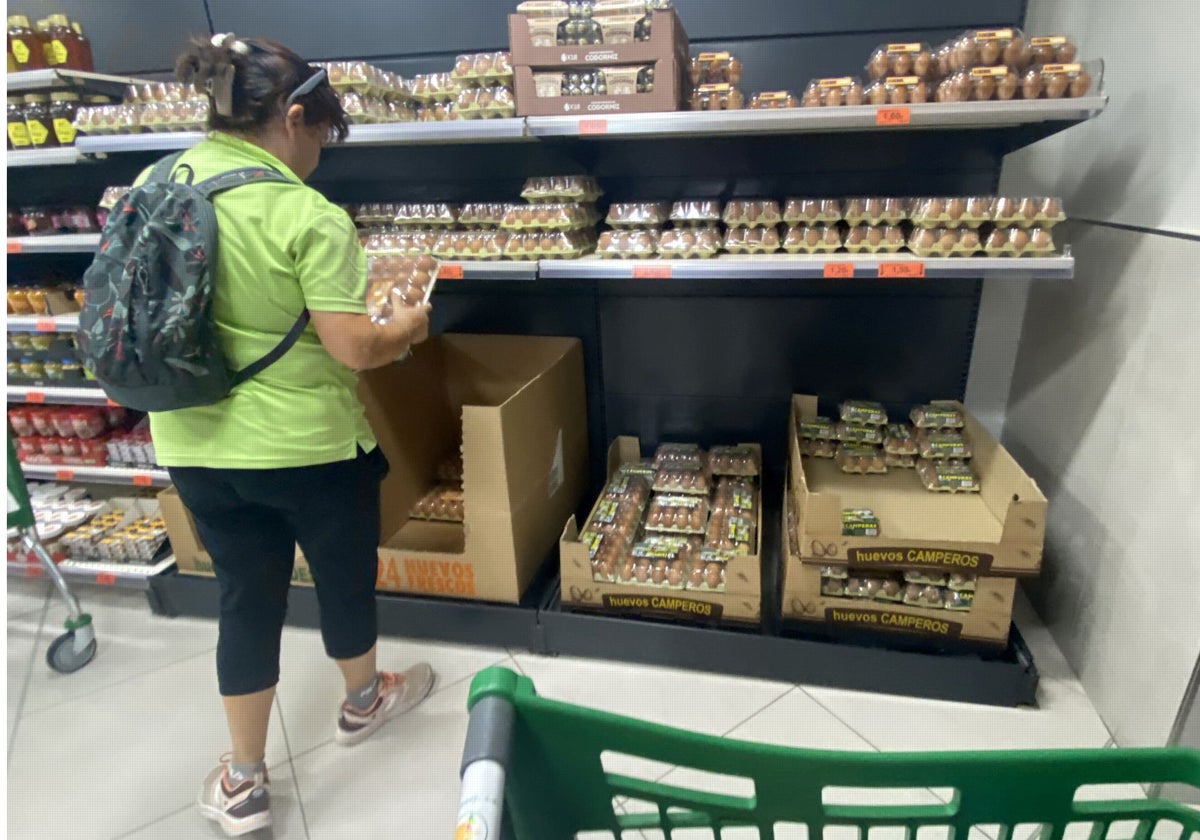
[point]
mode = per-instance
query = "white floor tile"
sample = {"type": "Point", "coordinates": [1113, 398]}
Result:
{"type": "Point", "coordinates": [26, 596]}
{"type": "Point", "coordinates": [188, 824]}
{"type": "Point", "coordinates": [116, 759]}
{"type": "Point", "coordinates": [402, 782]}
{"type": "Point", "coordinates": [311, 688]}
{"type": "Point", "coordinates": [22, 655]}
{"type": "Point", "coordinates": [130, 641]}
{"type": "Point", "coordinates": [1058, 686]}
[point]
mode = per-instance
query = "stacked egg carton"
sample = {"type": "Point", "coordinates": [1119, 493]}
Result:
{"type": "Point", "coordinates": [752, 227]}
{"type": "Point", "coordinates": [634, 230]}
{"type": "Point", "coordinates": [695, 231]}
{"type": "Point", "coordinates": [369, 94]}
{"type": "Point", "coordinates": [859, 225]}
{"type": "Point", "coordinates": [993, 225]}
{"type": "Point", "coordinates": [1004, 64]}
{"type": "Point", "coordinates": [484, 86]}
{"type": "Point", "coordinates": [915, 588]}
{"type": "Point", "coordinates": [558, 220]}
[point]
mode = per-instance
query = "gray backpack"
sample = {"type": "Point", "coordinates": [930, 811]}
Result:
{"type": "Point", "coordinates": [146, 331]}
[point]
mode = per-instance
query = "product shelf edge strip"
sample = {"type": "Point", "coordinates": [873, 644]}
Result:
{"type": "Point", "coordinates": [57, 395]}
{"type": "Point", "coordinates": [97, 475]}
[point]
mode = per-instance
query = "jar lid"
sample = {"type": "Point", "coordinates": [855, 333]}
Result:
{"type": "Point", "coordinates": [16, 99]}
{"type": "Point", "coordinates": [64, 96]}
{"type": "Point", "coordinates": [43, 25]}
{"type": "Point", "coordinates": [31, 98]}
{"type": "Point", "coordinates": [98, 100]}
{"type": "Point", "coordinates": [18, 20]}
{"type": "Point", "coordinates": [59, 20]}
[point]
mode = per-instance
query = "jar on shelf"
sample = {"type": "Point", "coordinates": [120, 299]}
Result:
{"type": "Point", "coordinates": [86, 62]}
{"type": "Point", "coordinates": [24, 45]}
{"type": "Point", "coordinates": [37, 120]}
{"type": "Point", "coordinates": [42, 31]}
{"type": "Point", "coordinates": [63, 107]}
{"type": "Point", "coordinates": [18, 134]}
{"type": "Point", "coordinates": [64, 47]}
{"type": "Point", "coordinates": [38, 221]}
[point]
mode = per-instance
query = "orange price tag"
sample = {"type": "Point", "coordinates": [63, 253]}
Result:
{"type": "Point", "coordinates": [593, 126]}
{"type": "Point", "coordinates": [143, 480]}
{"type": "Point", "coordinates": [46, 325]}
{"type": "Point", "coordinates": [839, 269]}
{"type": "Point", "coordinates": [106, 578]}
{"type": "Point", "coordinates": [35, 397]}
{"type": "Point", "coordinates": [651, 272]}
{"type": "Point", "coordinates": [450, 271]}
{"type": "Point", "coordinates": [909, 270]}
{"type": "Point", "coordinates": [892, 116]}
{"type": "Point", "coordinates": [110, 403]}
{"type": "Point", "coordinates": [14, 247]}
{"type": "Point", "coordinates": [64, 475]}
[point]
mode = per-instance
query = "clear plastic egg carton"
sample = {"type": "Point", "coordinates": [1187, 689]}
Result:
{"type": "Point", "coordinates": [742, 213]}
{"type": "Point", "coordinates": [719, 97]}
{"type": "Point", "coordinates": [900, 90]}
{"type": "Point", "coordinates": [436, 112]}
{"type": "Point", "coordinates": [833, 92]}
{"type": "Point", "coordinates": [757, 240]}
{"type": "Point", "coordinates": [812, 239]}
{"type": "Point", "coordinates": [628, 244]}
{"type": "Point", "coordinates": [108, 119]}
{"type": "Point", "coordinates": [425, 215]}
{"type": "Point", "coordinates": [945, 242]}
{"type": "Point", "coordinates": [712, 68]}
{"type": "Point", "coordinates": [901, 59]}
{"type": "Point", "coordinates": [875, 211]}
{"type": "Point", "coordinates": [579, 189]}
{"type": "Point", "coordinates": [560, 245]}
{"type": "Point", "coordinates": [773, 100]}
{"type": "Point", "coordinates": [482, 215]}
{"type": "Point", "coordinates": [875, 239]}
{"type": "Point", "coordinates": [470, 245]}
{"type": "Point", "coordinates": [696, 213]}
{"type": "Point", "coordinates": [690, 242]}
{"type": "Point", "coordinates": [429, 88]}
{"type": "Point", "coordinates": [364, 79]}
{"type": "Point", "coordinates": [638, 214]}
{"type": "Point", "coordinates": [398, 280]}
{"type": "Point", "coordinates": [483, 70]}
{"type": "Point", "coordinates": [809, 211]}
{"type": "Point", "coordinates": [549, 217]}
{"type": "Point", "coordinates": [1019, 242]}
{"type": "Point", "coordinates": [497, 102]}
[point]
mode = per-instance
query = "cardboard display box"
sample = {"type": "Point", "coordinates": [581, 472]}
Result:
{"type": "Point", "coordinates": [667, 37]}
{"type": "Point", "coordinates": [998, 531]}
{"type": "Point", "coordinates": [668, 95]}
{"type": "Point", "coordinates": [740, 603]}
{"type": "Point", "coordinates": [518, 406]}
{"type": "Point", "coordinates": [986, 623]}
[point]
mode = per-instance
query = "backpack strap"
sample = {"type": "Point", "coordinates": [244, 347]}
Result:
{"type": "Point", "coordinates": [289, 341]}
{"type": "Point", "coordinates": [161, 173]}
{"type": "Point", "coordinates": [209, 187]}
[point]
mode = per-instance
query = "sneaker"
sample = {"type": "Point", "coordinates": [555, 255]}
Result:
{"type": "Point", "coordinates": [398, 693]}
{"type": "Point", "coordinates": [239, 809]}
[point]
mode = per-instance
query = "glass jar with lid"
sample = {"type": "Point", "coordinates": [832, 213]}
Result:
{"type": "Point", "coordinates": [24, 45]}
{"type": "Point", "coordinates": [37, 120]}
{"type": "Point", "coordinates": [63, 48]}
{"type": "Point", "coordinates": [86, 62]}
{"type": "Point", "coordinates": [18, 134]}
{"type": "Point", "coordinates": [64, 105]}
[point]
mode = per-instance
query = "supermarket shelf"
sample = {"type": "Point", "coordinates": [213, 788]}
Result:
{"type": "Point", "coordinates": [155, 141]}
{"type": "Point", "coordinates": [42, 323]}
{"type": "Point", "coordinates": [56, 395]}
{"type": "Point", "coordinates": [121, 575]}
{"type": "Point", "coordinates": [62, 156]}
{"type": "Point", "coordinates": [63, 243]}
{"type": "Point", "coordinates": [98, 475]}
{"type": "Point", "coordinates": [811, 267]}
{"type": "Point", "coordinates": [452, 270]}
{"type": "Point", "coordinates": [99, 83]}
{"type": "Point", "coordinates": [818, 120]}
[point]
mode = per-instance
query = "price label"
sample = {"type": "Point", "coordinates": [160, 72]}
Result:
{"type": "Point", "coordinates": [908, 270]}
{"type": "Point", "coordinates": [652, 272]}
{"type": "Point", "coordinates": [110, 403]}
{"type": "Point", "coordinates": [46, 325]}
{"type": "Point", "coordinates": [106, 578]}
{"type": "Point", "coordinates": [892, 116]}
{"type": "Point", "coordinates": [64, 475]}
{"type": "Point", "coordinates": [839, 270]}
{"type": "Point", "coordinates": [143, 479]}
{"type": "Point", "coordinates": [450, 271]}
{"type": "Point", "coordinates": [35, 397]}
{"type": "Point", "coordinates": [14, 247]}
{"type": "Point", "coordinates": [593, 127]}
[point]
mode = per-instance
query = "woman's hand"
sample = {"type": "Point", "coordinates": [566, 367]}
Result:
{"type": "Point", "coordinates": [360, 344]}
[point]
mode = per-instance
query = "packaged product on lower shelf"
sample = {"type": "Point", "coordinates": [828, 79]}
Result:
{"type": "Point", "coordinates": [812, 239]}
{"type": "Point", "coordinates": [687, 243]}
{"type": "Point", "coordinates": [773, 100]}
{"type": "Point", "coordinates": [561, 188]}
{"type": "Point", "coordinates": [875, 239]}
{"type": "Point", "coordinates": [745, 240]}
{"type": "Point", "coordinates": [628, 244]}
{"type": "Point", "coordinates": [649, 214]}
{"type": "Point", "coordinates": [741, 213]}
{"type": "Point", "coordinates": [833, 92]}
{"type": "Point", "coordinates": [900, 59]}
{"type": "Point", "coordinates": [1018, 242]}
{"type": "Point", "coordinates": [948, 476]}
{"type": "Point", "coordinates": [808, 211]}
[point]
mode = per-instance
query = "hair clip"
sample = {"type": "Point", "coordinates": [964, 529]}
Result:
{"type": "Point", "coordinates": [230, 40]}
{"type": "Point", "coordinates": [308, 87]}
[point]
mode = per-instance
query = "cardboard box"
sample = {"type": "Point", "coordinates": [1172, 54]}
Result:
{"type": "Point", "coordinates": [985, 624]}
{"type": "Point", "coordinates": [518, 405]}
{"type": "Point", "coordinates": [740, 603]}
{"type": "Point", "coordinates": [668, 95]}
{"type": "Point", "coordinates": [998, 531]}
{"type": "Point", "coordinates": [667, 37]}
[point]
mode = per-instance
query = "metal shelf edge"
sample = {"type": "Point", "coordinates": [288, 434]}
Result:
{"type": "Point", "coordinates": [57, 395]}
{"type": "Point", "coordinates": [103, 83]}
{"type": "Point", "coordinates": [66, 243]}
{"type": "Point", "coordinates": [63, 156]}
{"type": "Point", "coordinates": [41, 323]}
{"type": "Point", "coordinates": [120, 476]}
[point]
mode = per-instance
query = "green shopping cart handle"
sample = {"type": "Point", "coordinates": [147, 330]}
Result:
{"type": "Point", "coordinates": [20, 512]}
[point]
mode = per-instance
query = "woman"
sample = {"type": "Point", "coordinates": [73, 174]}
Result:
{"type": "Point", "coordinates": [288, 458]}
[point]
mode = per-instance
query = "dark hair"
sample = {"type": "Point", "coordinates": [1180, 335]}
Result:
{"type": "Point", "coordinates": [264, 74]}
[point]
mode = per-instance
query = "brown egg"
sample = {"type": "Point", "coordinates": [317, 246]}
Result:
{"type": "Point", "coordinates": [1031, 84]}
{"type": "Point", "coordinates": [997, 241]}
{"type": "Point", "coordinates": [947, 240]}
{"type": "Point", "coordinates": [753, 212]}
{"type": "Point", "coordinates": [834, 97]}
{"type": "Point", "coordinates": [659, 573]}
{"type": "Point", "coordinates": [483, 65]}
{"type": "Point", "coordinates": [924, 239]}
{"type": "Point", "coordinates": [1016, 53]}
{"type": "Point", "coordinates": [932, 208]}
{"type": "Point", "coordinates": [1007, 87]}
{"type": "Point", "coordinates": [990, 52]}
{"type": "Point", "coordinates": [688, 240]}
{"type": "Point", "coordinates": [832, 238]}
{"type": "Point", "coordinates": [922, 63]}
{"type": "Point", "coordinates": [902, 64]}
{"type": "Point", "coordinates": [919, 93]}
{"type": "Point", "coordinates": [898, 95]}
{"type": "Point", "coordinates": [484, 98]}
{"type": "Point", "coordinates": [1041, 240]}
{"type": "Point", "coordinates": [855, 94]}
{"type": "Point", "coordinates": [1056, 86]}
{"type": "Point", "coordinates": [550, 243]}
{"type": "Point", "coordinates": [875, 236]}
{"type": "Point", "coordinates": [810, 99]}
{"type": "Point", "coordinates": [969, 241]}
{"type": "Point", "coordinates": [641, 571]}
{"type": "Point", "coordinates": [1051, 208]}
{"type": "Point", "coordinates": [956, 208]}
{"type": "Point", "coordinates": [856, 236]}
{"type": "Point", "coordinates": [1043, 54]}
{"type": "Point", "coordinates": [1080, 84]}
{"type": "Point", "coordinates": [696, 573]}
{"type": "Point", "coordinates": [877, 94]}
{"type": "Point", "coordinates": [1019, 240]}
{"type": "Point", "coordinates": [878, 66]}
{"type": "Point", "coordinates": [979, 208]}
{"type": "Point", "coordinates": [1027, 208]}
{"type": "Point", "coordinates": [894, 236]}
{"type": "Point", "coordinates": [463, 66]}
{"type": "Point", "coordinates": [891, 588]}
{"type": "Point", "coordinates": [714, 575]}
{"type": "Point", "coordinates": [1066, 53]}
{"type": "Point", "coordinates": [675, 573]}
{"type": "Point", "coordinates": [984, 88]}
{"type": "Point", "coordinates": [961, 86]}
{"type": "Point", "coordinates": [812, 236]}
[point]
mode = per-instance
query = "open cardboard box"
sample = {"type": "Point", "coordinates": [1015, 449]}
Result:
{"type": "Point", "coordinates": [667, 38]}
{"type": "Point", "coordinates": [998, 531]}
{"type": "Point", "coordinates": [518, 405]}
{"type": "Point", "coordinates": [986, 623]}
{"type": "Point", "coordinates": [740, 602]}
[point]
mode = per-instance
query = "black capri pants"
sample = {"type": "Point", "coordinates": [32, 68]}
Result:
{"type": "Point", "coordinates": [250, 521]}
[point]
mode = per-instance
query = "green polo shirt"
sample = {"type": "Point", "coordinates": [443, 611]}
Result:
{"type": "Point", "coordinates": [281, 248]}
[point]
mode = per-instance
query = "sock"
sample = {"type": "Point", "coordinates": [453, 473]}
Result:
{"type": "Point", "coordinates": [239, 773]}
{"type": "Point", "coordinates": [366, 695]}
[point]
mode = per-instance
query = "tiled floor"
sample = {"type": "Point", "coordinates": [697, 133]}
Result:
{"type": "Point", "coordinates": [118, 749]}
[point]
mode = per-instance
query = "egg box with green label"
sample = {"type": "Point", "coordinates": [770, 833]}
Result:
{"type": "Point", "coordinates": [997, 531]}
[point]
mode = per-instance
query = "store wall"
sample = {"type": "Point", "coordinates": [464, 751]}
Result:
{"type": "Point", "coordinates": [1099, 406]}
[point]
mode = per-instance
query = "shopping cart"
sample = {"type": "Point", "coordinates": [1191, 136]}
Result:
{"type": "Point", "coordinates": [538, 762]}
{"type": "Point", "coordinates": [76, 647]}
